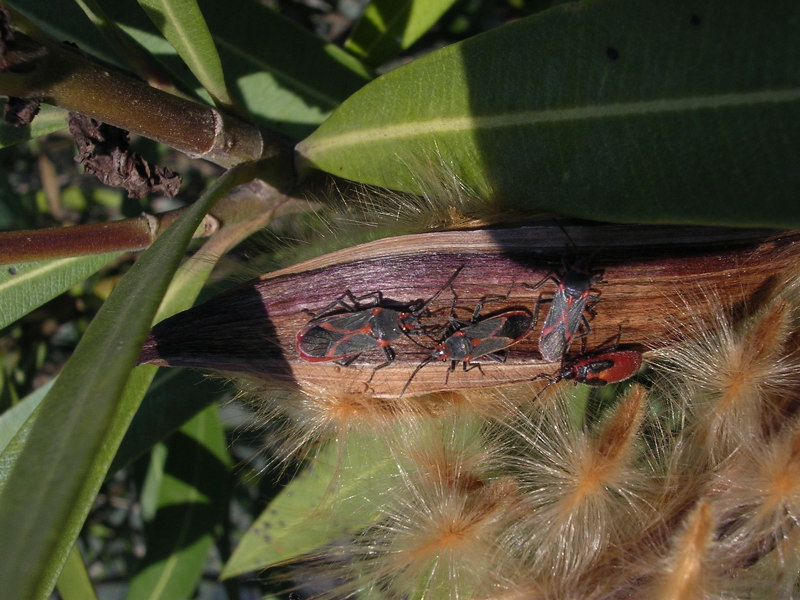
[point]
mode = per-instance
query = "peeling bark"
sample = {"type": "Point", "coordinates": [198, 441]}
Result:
{"type": "Point", "coordinates": [103, 150]}
{"type": "Point", "coordinates": [20, 112]}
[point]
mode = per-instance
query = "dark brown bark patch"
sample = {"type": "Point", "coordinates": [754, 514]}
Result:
{"type": "Point", "coordinates": [19, 112]}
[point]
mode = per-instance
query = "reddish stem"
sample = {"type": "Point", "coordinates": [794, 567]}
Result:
{"type": "Point", "coordinates": [96, 238]}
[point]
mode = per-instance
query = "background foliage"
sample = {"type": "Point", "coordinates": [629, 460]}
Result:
{"type": "Point", "coordinates": [614, 110]}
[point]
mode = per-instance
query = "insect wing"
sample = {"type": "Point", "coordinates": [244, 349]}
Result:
{"type": "Point", "coordinates": [336, 336]}
{"type": "Point", "coordinates": [574, 315]}
{"type": "Point", "coordinates": [562, 321]}
{"type": "Point", "coordinates": [553, 339]}
{"type": "Point", "coordinates": [497, 333]}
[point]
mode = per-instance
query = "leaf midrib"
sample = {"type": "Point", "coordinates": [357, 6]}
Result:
{"type": "Point", "coordinates": [554, 115]}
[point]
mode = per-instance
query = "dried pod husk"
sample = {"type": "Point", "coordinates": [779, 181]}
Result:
{"type": "Point", "coordinates": [253, 328]}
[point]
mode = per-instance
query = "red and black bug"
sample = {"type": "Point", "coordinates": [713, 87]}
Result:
{"type": "Point", "coordinates": [566, 315]}
{"type": "Point", "coordinates": [358, 327]}
{"type": "Point", "coordinates": [601, 368]}
{"type": "Point", "coordinates": [479, 337]}
{"type": "Point", "coordinates": [486, 337]}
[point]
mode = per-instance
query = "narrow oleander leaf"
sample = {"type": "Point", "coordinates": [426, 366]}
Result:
{"type": "Point", "coordinates": [26, 286]}
{"type": "Point", "coordinates": [65, 20]}
{"type": "Point", "coordinates": [15, 425]}
{"type": "Point", "coordinates": [191, 503]}
{"type": "Point", "coordinates": [388, 27]}
{"type": "Point", "coordinates": [167, 405]}
{"type": "Point", "coordinates": [286, 77]}
{"type": "Point", "coordinates": [99, 30]}
{"type": "Point", "coordinates": [74, 582]}
{"type": "Point", "coordinates": [182, 23]}
{"type": "Point", "coordinates": [334, 496]}
{"type": "Point", "coordinates": [82, 419]}
{"type": "Point", "coordinates": [174, 397]}
{"type": "Point", "coordinates": [620, 110]}
{"type": "Point", "coordinates": [129, 51]}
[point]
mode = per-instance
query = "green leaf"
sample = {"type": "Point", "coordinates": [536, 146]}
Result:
{"type": "Point", "coordinates": [74, 582]}
{"type": "Point", "coordinates": [25, 286]}
{"type": "Point", "coordinates": [48, 120]}
{"type": "Point", "coordinates": [183, 25]}
{"type": "Point", "coordinates": [15, 425]}
{"type": "Point", "coordinates": [331, 498]}
{"type": "Point", "coordinates": [191, 504]}
{"type": "Point", "coordinates": [167, 405]}
{"type": "Point", "coordinates": [84, 416]}
{"type": "Point", "coordinates": [104, 30]}
{"type": "Point", "coordinates": [134, 56]}
{"type": "Point", "coordinates": [64, 20]}
{"type": "Point", "coordinates": [660, 111]}
{"type": "Point", "coordinates": [286, 77]}
{"type": "Point", "coordinates": [387, 27]}
{"type": "Point", "coordinates": [175, 396]}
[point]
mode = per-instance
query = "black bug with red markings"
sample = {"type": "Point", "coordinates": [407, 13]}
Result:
{"type": "Point", "coordinates": [486, 337]}
{"type": "Point", "coordinates": [479, 338]}
{"type": "Point", "coordinates": [566, 316]}
{"type": "Point", "coordinates": [349, 327]}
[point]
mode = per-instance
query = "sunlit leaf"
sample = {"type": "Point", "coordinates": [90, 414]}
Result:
{"type": "Point", "coordinates": [331, 498]}
{"type": "Point", "coordinates": [25, 286]}
{"type": "Point", "coordinates": [286, 77]}
{"type": "Point", "coordinates": [387, 27]}
{"type": "Point", "coordinates": [131, 53]}
{"type": "Point", "coordinates": [74, 582]}
{"type": "Point", "coordinates": [15, 425]}
{"type": "Point", "coordinates": [84, 416]}
{"type": "Point", "coordinates": [183, 25]}
{"type": "Point", "coordinates": [622, 110]}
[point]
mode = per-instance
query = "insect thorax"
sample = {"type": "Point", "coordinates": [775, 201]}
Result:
{"type": "Point", "coordinates": [576, 283]}
{"type": "Point", "coordinates": [456, 347]}
{"type": "Point", "coordinates": [385, 324]}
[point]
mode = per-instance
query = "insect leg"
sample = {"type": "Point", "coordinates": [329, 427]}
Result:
{"type": "Point", "coordinates": [540, 283]}
{"type": "Point", "coordinates": [585, 329]}
{"type": "Point", "coordinates": [488, 300]}
{"type": "Point", "coordinates": [448, 284]}
{"type": "Point", "coordinates": [608, 343]}
{"type": "Point", "coordinates": [387, 350]}
{"type": "Point", "coordinates": [348, 361]}
{"type": "Point", "coordinates": [354, 306]}
{"type": "Point", "coordinates": [468, 366]}
{"type": "Point", "coordinates": [500, 357]}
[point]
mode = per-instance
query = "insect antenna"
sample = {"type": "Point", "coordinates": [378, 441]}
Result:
{"type": "Point", "coordinates": [587, 260]}
{"type": "Point", "coordinates": [424, 362]}
{"type": "Point", "coordinates": [551, 381]}
{"type": "Point", "coordinates": [566, 234]}
{"type": "Point", "coordinates": [447, 284]}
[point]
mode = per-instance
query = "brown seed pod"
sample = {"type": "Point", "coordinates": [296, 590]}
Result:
{"type": "Point", "coordinates": [647, 273]}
